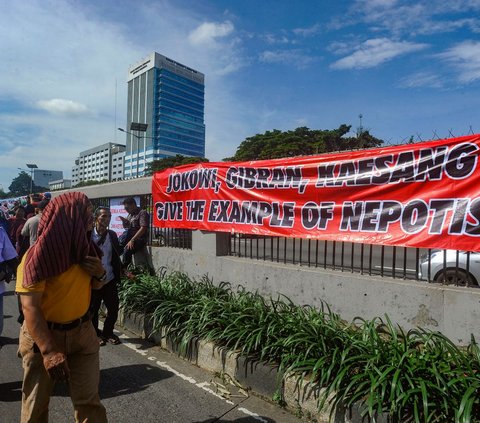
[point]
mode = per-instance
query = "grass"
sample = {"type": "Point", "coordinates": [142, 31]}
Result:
{"type": "Point", "coordinates": [415, 376]}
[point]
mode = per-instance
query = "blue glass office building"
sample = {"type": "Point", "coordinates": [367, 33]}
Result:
{"type": "Point", "coordinates": [170, 98]}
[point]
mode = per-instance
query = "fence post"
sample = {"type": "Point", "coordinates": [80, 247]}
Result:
{"type": "Point", "coordinates": [210, 243]}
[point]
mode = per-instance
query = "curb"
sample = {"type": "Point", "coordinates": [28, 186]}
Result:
{"type": "Point", "coordinates": [298, 395]}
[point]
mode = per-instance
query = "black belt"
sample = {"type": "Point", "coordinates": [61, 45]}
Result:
{"type": "Point", "coordinates": [70, 325]}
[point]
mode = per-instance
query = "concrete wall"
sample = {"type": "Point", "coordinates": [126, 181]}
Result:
{"type": "Point", "coordinates": [454, 311]}
{"type": "Point", "coordinates": [126, 188]}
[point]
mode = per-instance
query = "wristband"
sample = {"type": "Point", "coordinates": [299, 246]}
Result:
{"type": "Point", "coordinates": [103, 277]}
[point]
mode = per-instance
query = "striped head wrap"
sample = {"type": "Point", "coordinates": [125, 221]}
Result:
{"type": "Point", "coordinates": [62, 238]}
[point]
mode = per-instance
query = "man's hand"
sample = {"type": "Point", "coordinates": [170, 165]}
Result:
{"type": "Point", "coordinates": [142, 231]}
{"type": "Point", "coordinates": [56, 365]}
{"type": "Point", "coordinates": [93, 266]}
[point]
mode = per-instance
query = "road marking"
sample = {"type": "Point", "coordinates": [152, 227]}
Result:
{"type": "Point", "coordinates": [249, 413]}
{"type": "Point", "coordinates": [202, 385]}
{"type": "Point", "coordinates": [399, 269]}
{"type": "Point", "coordinates": [175, 372]}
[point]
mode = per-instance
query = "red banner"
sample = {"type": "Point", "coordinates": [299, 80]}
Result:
{"type": "Point", "coordinates": [416, 195]}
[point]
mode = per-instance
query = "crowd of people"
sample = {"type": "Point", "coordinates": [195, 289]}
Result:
{"type": "Point", "coordinates": [14, 215]}
{"type": "Point", "coordinates": [66, 262]}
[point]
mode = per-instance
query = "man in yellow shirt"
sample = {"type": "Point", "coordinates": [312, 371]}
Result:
{"type": "Point", "coordinates": [57, 340]}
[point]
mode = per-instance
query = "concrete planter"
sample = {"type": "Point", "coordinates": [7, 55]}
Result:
{"type": "Point", "coordinates": [299, 395]}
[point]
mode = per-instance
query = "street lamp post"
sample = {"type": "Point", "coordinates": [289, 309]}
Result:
{"type": "Point", "coordinates": [31, 166]}
{"type": "Point", "coordinates": [138, 137]}
{"type": "Point", "coordinates": [140, 127]}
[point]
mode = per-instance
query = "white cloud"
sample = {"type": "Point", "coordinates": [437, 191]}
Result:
{"type": "Point", "coordinates": [290, 36]}
{"type": "Point", "coordinates": [79, 53]}
{"type": "Point", "coordinates": [422, 79]}
{"type": "Point", "coordinates": [81, 64]}
{"type": "Point", "coordinates": [374, 7]}
{"type": "Point", "coordinates": [457, 6]}
{"type": "Point", "coordinates": [409, 17]}
{"type": "Point", "coordinates": [220, 52]}
{"type": "Point", "coordinates": [292, 57]}
{"type": "Point", "coordinates": [63, 107]}
{"type": "Point", "coordinates": [380, 3]}
{"type": "Point", "coordinates": [340, 48]}
{"type": "Point", "coordinates": [465, 57]}
{"type": "Point", "coordinates": [307, 32]}
{"type": "Point", "coordinates": [376, 51]}
{"type": "Point", "coordinates": [208, 32]}
{"type": "Point", "coordinates": [391, 16]}
{"type": "Point", "coordinates": [276, 39]}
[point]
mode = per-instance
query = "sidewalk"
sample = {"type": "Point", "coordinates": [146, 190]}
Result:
{"type": "Point", "coordinates": [297, 395]}
{"type": "Point", "coordinates": [139, 382]}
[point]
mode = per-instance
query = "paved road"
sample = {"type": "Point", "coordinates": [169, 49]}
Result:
{"type": "Point", "coordinates": [139, 383]}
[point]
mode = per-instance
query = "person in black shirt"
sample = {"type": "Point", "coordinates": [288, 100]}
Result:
{"type": "Point", "coordinates": [135, 239]}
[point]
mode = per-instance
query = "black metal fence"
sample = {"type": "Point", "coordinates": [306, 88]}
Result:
{"type": "Point", "coordinates": [442, 266]}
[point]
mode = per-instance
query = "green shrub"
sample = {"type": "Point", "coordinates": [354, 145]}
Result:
{"type": "Point", "coordinates": [418, 376]}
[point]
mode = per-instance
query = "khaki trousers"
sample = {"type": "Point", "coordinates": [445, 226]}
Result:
{"type": "Point", "coordinates": [82, 350]}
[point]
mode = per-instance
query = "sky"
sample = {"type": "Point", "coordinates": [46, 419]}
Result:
{"type": "Point", "coordinates": [409, 68]}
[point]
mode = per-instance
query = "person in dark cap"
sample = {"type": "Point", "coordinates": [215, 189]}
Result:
{"type": "Point", "coordinates": [29, 207]}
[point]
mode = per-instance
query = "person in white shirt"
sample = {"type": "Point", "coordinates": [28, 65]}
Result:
{"type": "Point", "coordinates": [30, 228]}
{"type": "Point", "coordinates": [107, 241]}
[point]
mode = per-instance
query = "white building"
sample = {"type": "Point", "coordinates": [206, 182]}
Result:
{"type": "Point", "coordinates": [104, 162]}
{"type": "Point", "coordinates": [60, 184]}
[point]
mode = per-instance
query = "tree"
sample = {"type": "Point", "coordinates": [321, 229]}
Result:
{"type": "Point", "coordinates": [169, 162]}
{"type": "Point", "coordinates": [21, 185]}
{"type": "Point", "coordinates": [300, 142]}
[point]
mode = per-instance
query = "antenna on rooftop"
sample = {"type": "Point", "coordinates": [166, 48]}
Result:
{"type": "Point", "coordinates": [360, 127]}
{"type": "Point", "coordinates": [115, 130]}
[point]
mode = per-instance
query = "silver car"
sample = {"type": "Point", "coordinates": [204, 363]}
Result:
{"type": "Point", "coordinates": [450, 267]}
